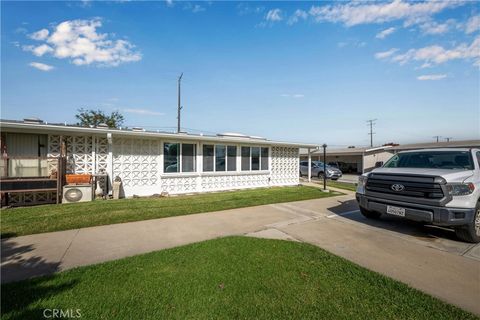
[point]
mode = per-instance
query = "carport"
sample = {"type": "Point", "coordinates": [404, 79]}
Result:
{"type": "Point", "coordinates": [351, 160]}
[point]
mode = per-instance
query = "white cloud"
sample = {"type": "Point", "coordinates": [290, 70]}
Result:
{"type": "Point", "coordinates": [274, 15]}
{"type": "Point", "coordinates": [297, 16]}
{"type": "Point", "coordinates": [385, 33]}
{"type": "Point", "coordinates": [195, 8]}
{"type": "Point", "coordinates": [385, 54]}
{"type": "Point", "coordinates": [472, 25]}
{"type": "Point", "coordinates": [39, 50]}
{"type": "Point", "coordinates": [432, 27]}
{"type": "Point", "coordinates": [79, 41]}
{"type": "Point", "coordinates": [143, 112]}
{"type": "Point", "coordinates": [169, 3]}
{"type": "Point", "coordinates": [296, 95]}
{"type": "Point", "coordinates": [431, 77]}
{"type": "Point", "coordinates": [358, 12]}
{"type": "Point", "coordinates": [40, 35]}
{"type": "Point", "coordinates": [41, 66]}
{"type": "Point", "coordinates": [434, 55]}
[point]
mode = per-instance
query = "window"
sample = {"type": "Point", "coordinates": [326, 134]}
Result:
{"type": "Point", "coordinates": [208, 156]}
{"type": "Point", "coordinates": [432, 160]}
{"type": "Point", "coordinates": [171, 157]}
{"type": "Point", "coordinates": [188, 157]}
{"type": "Point", "coordinates": [224, 157]}
{"type": "Point", "coordinates": [245, 158]}
{"type": "Point", "coordinates": [264, 159]}
{"type": "Point", "coordinates": [220, 158]}
{"type": "Point", "coordinates": [254, 158]}
{"type": "Point", "coordinates": [231, 158]}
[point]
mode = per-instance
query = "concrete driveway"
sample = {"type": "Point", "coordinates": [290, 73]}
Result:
{"type": "Point", "coordinates": [427, 258]}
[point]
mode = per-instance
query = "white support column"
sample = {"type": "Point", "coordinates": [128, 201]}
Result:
{"type": "Point", "coordinates": [94, 155]}
{"type": "Point", "coordinates": [199, 163]}
{"type": "Point", "coordinates": [309, 165]}
{"type": "Point", "coordinates": [239, 157]}
{"type": "Point", "coordinates": [110, 161]}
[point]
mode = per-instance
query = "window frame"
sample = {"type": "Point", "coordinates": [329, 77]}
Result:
{"type": "Point", "coordinates": [180, 158]}
{"type": "Point", "coordinates": [215, 158]}
{"type": "Point", "coordinates": [259, 159]}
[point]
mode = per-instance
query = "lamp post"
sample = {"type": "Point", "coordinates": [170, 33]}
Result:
{"type": "Point", "coordinates": [324, 166]}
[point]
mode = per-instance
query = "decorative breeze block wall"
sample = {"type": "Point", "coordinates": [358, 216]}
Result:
{"type": "Point", "coordinates": [285, 166]}
{"type": "Point", "coordinates": [136, 161]}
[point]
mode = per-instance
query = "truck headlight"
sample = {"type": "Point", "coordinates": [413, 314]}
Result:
{"type": "Point", "coordinates": [362, 181]}
{"type": "Point", "coordinates": [460, 189]}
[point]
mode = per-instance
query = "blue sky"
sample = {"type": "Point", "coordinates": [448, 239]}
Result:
{"type": "Point", "coordinates": [297, 71]}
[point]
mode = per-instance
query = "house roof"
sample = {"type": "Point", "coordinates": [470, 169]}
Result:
{"type": "Point", "coordinates": [43, 127]}
{"type": "Point", "coordinates": [346, 151]}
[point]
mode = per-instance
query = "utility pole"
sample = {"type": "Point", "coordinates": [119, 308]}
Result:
{"type": "Point", "coordinates": [437, 138]}
{"type": "Point", "coordinates": [179, 107]}
{"type": "Point", "coordinates": [448, 139]}
{"type": "Point", "coordinates": [371, 122]}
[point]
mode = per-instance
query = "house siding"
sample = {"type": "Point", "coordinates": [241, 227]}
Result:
{"type": "Point", "coordinates": [138, 162]}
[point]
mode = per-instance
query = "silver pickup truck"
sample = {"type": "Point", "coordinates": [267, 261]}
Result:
{"type": "Point", "coordinates": [436, 186]}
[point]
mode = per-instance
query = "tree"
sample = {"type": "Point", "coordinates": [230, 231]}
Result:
{"type": "Point", "coordinates": [92, 117]}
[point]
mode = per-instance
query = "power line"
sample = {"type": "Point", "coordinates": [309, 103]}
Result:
{"type": "Point", "coordinates": [371, 122]}
{"type": "Point", "coordinates": [437, 138]}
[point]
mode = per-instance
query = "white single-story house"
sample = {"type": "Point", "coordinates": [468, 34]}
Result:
{"type": "Point", "coordinates": [152, 162]}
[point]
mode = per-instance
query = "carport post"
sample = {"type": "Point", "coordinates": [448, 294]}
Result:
{"type": "Point", "coordinates": [324, 166]}
{"type": "Point", "coordinates": [309, 165]}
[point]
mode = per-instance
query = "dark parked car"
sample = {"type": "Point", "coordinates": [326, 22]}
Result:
{"type": "Point", "coordinates": [344, 167]}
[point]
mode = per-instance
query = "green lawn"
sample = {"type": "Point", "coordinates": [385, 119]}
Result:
{"type": "Point", "coordinates": [228, 278]}
{"type": "Point", "coordinates": [342, 185]}
{"type": "Point", "coordinates": [46, 218]}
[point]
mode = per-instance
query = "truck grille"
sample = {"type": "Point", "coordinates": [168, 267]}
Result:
{"type": "Point", "coordinates": [407, 186]}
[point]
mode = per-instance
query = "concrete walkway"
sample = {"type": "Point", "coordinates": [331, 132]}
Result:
{"type": "Point", "coordinates": [427, 258]}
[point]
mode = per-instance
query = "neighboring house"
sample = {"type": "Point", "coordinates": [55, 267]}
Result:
{"type": "Point", "coordinates": [359, 160]}
{"type": "Point", "coordinates": [152, 162]}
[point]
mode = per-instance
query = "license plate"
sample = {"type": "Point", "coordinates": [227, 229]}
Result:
{"type": "Point", "coordinates": [396, 211]}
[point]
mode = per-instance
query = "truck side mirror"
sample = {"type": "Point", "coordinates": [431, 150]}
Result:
{"type": "Point", "coordinates": [378, 164]}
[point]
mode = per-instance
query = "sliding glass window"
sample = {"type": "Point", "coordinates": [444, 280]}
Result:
{"type": "Point", "coordinates": [171, 157]}
{"type": "Point", "coordinates": [208, 157]}
{"type": "Point", "coordinates": [188, 157]}
{"type": "Point", "coordinates": [219, 158]}
{"type": "Point", "coordinates": [231, 158]}
{"type": "Point", "coordinates": [220, 151]}
{"type": "Point", "coordinates": [254, 158]}
{"type": "Point", "coordinates": [172, 152]}
{"type": "Point", "coordinates": [245, 158]}
{"type": "Point", "coordinates": [264, 159]}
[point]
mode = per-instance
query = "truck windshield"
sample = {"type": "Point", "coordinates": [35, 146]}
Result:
{"type": "Point", "coordinates": [432, 160]}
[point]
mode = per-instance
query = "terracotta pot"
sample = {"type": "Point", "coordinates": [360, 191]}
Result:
{"type": "Point", "coordinates": [78, 178]}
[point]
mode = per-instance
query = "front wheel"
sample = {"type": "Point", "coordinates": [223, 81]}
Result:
{"type": "Point", "coordinates": [320, 175]}
{"type": "Point", "coordinates": [471, 232]}
{"type": "Point", "coordinates": [370, 214]}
